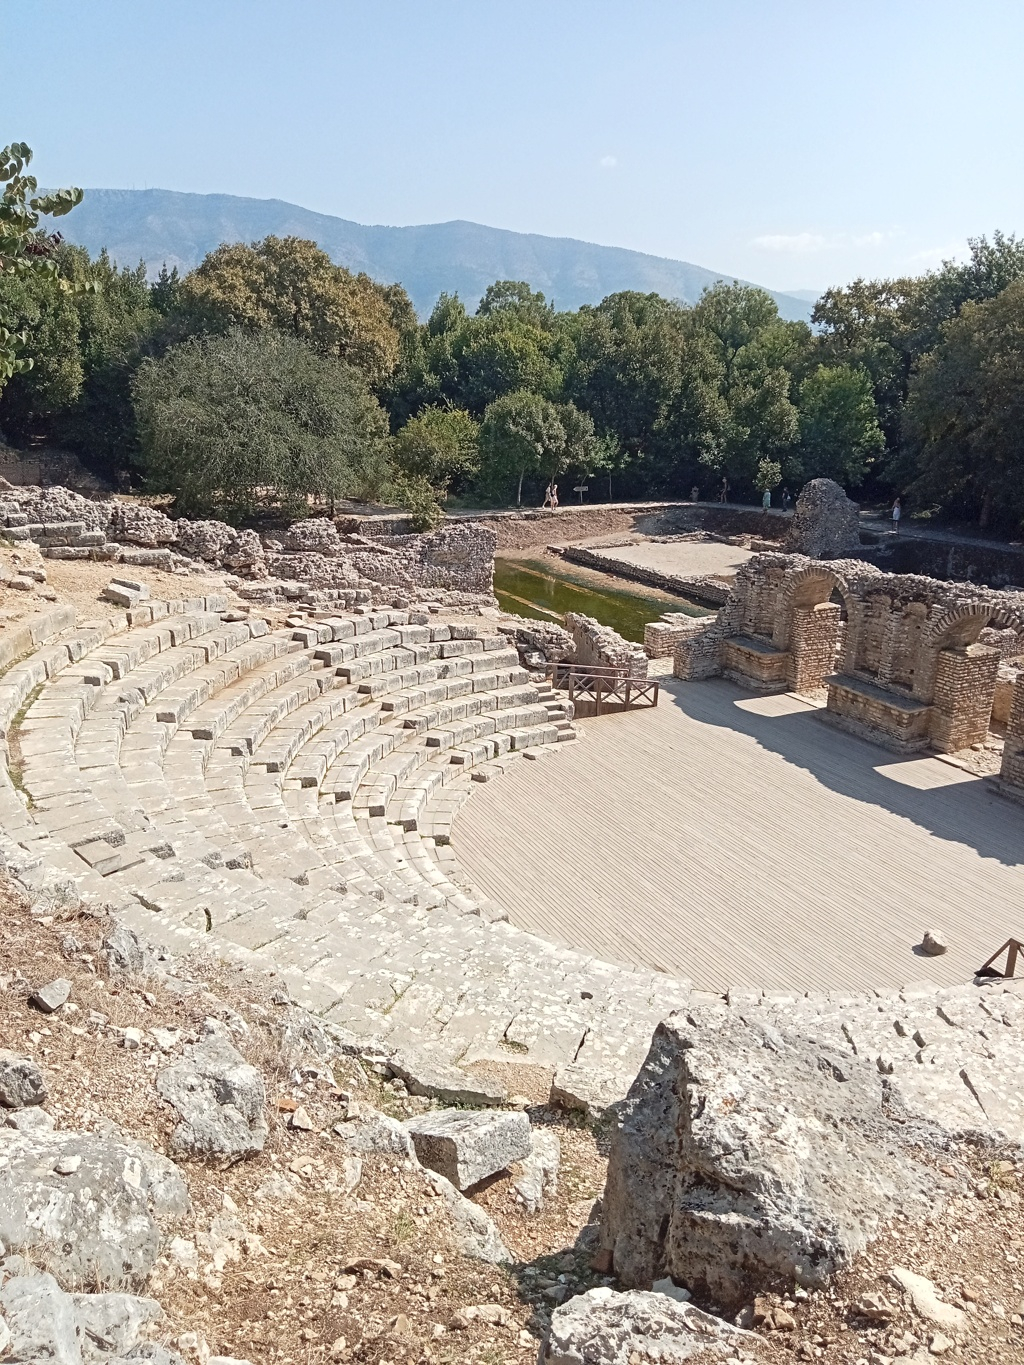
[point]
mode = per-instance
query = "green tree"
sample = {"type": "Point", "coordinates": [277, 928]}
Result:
{"type": "Point", "coordinates": [734, 401]}
{"type": "Point", "coordinates": [24, 248]}
{"type": "Point", "coordinates": [768, 476]}
{"type": "Point", "coordinates": [289, 284]}
{"type": "Point", "coordinates": [524, 434]}
{"type": "Point", "coordinates": [839, 431]}
{"type": "Point", "coordinates": [965, 412]}
{"type": "Point", "coordinates": [439, 445]}
{"type": "Point", "coordinates": [235, 422]}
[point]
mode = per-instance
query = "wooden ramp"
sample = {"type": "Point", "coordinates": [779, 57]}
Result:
{"type": "Point", "coordinates": [743, 841]}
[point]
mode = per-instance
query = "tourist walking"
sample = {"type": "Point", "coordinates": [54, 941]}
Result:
{"type": "Point", "coordinates": [547, 497]}
{"type": "Point", "coordinates": [723, 492]}
{"type": "Point", "coordinates": [695, 494]}
{"type": "Point", "coordinates": [786, 499]}
{"type": "Point", "coordinates": [554, 497]}
{"type": "Point", "coordinates": [897, 512]}
{"type": "Point", "coordinates": [766, 500]}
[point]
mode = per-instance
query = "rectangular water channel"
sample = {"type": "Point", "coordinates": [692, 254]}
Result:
{"type": "Point", "coordinates": [531, 588]}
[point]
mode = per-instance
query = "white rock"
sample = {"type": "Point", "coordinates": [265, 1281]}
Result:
{"type": "Point", "coordinates": [605, 1328]}
{"type": "Point", "coordinates": [475, 1233]}
{"type": "Point", "coordinates": [538, 1179]}
{"type": "Point", "coordinates": [49, 998]}
{"type": "Point", "coordinates": [21, 1081]}
{"type": "Point", "coordinates": [68, 1165]}
{"type": "Point", "coordinates": [671, 1290]}
{"type": "Point", "coordinates": [934, 943]}
{"type": "Point", "coordinates": [926, 1302]}
{"type": "Point", "coordinates": [466, 1147]}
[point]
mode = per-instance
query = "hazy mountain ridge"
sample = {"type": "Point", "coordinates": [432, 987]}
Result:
{"type": "Point", "coordinates": [167, 226]}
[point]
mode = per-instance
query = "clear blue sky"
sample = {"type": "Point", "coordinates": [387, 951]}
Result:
{"type": "Point", "coordinates": [793, 142]}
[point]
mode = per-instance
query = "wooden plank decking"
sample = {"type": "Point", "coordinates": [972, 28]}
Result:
{"type": "Point", "coordinates": [742, 841]}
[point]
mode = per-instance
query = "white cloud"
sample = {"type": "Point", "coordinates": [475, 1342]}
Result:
{"type": "Point", "coordinates": [609, 161]}
{"type": "Point", "coordinates": [935, 255]}
{"type": "Point", "coordinates": [799, 242]}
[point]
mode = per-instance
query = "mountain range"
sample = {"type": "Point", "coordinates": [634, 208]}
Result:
{"type": "Point", "coordinates": [167, 227]}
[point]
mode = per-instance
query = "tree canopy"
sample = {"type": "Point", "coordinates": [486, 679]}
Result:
{"type": "Point", "coordinates": [234, 422]}
{"type": "Point", "coordinates": [26, 252]}
{"type": "Point", "coordinates": [489, 404]}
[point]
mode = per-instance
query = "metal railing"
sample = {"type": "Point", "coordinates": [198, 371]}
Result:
{"type": "Point", "coordinates": [603, 684]}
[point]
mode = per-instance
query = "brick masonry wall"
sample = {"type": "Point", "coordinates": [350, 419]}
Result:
{"type": "Point", "coordinates": [965, 684]}
{"type": "Point", "coordinates": [1012, 771]}
{"type": "Point", "coordinates": [813, 644]}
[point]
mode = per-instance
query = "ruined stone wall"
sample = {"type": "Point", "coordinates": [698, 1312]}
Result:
{"type": "Point", "coordinates": [457, 558]}
{"type": "Point", "coordinates": [1012, 771]}
{"type": "Point", "coordinates": [825, 524]}
{"type": "Point", "coordinates": [603, 647]}
{"type": "Point", "coordinates": [813, 644]}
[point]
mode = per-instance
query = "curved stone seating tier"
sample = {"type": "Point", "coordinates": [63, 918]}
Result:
{"type": "Point", "coordinates": [286, 796]}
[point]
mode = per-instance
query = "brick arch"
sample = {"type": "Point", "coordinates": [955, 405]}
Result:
{"type": "Point", "coordinates": [957, 626]}
{"type": "Point", "coordinates": [809, 586]}
{"type": "Point", "coordinates": [962, 624]}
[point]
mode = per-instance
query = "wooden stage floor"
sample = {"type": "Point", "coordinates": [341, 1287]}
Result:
{"type": "Point", "coordinates": [743, 841]}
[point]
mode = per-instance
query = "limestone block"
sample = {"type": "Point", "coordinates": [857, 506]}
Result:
{"type": "Point", "coordinates": [602, 1327]}
{"type": "Point", "coordinates": [467, 1147]}
{"type": "Point", "coordinates": [21, 1081]}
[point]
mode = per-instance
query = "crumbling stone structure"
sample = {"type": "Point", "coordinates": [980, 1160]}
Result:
{"type": "Point", "coordinates": [456, 559]}
{"type": "Point", "coordinates": [901, 656]}
{"type": "Point", "coordinates": [825, 522]}
{"type": "Point", "coordinates": [603, 647]}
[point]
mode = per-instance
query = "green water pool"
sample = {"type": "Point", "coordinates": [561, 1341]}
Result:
{"type": "Point", "coordinates": [530, 588]}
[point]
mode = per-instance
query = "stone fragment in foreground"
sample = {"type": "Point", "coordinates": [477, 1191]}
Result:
{"type": "Point", "coordinates": [221, 1099]}
{"type": "Point", "coordinates": [476, 1234]}
{"type": "Point", "coordinates": [605, 1328]}
{"type": "Point", "coordinates": [50, 998]}
{"type": "Point", "coordinates": [99, 1224]}
{"type": "Point", "coordinates": [467, 1147]}
{"type": "Point", "coordinates": [538, 1179]}
{"type": "Point", "coordinates": [21, 1081]}
{"type": "Point", "coordinates": [745, 1160]}
{"type": "Point", "coordinates": [425, 1074]}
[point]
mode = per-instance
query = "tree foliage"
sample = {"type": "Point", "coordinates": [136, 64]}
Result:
{"type": "Point", "coordinates": [235, 422]}
{"type": "Point", "coordinates": [965, 413]}
{"type": "Point", "coordinates": [25, 250]}
{"type": "Point", "coordinates": [290, 285]}
{"type": "Point", "coordinates": [839, 430]}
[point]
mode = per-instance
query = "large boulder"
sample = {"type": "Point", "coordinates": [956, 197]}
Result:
{"type": "Point", "coordinates": [466, 1146]}
{"type": "Point", "coordinates": [748, 1159]}
{"type": "Point", "coordinates": [825, 524]}
{"type": "Point", "coordinates": [221, 1099]}
{"type": "Point", "coordinates": [605, 1328]}
{"type": "Point", "coordinates": [92, 1207]}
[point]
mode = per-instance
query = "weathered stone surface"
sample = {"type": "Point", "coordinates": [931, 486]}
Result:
{"type": "Point", "coordinates": [589, 1089]}
{"type": "Point", "coordinates": [110, 1323]}
{"type": "Point", "coordinates": [605, 1328]}
{"type": "Point", "coordinates": [746, 1159]}
{"type": "Point", "coordinates": [538, 1178]}
{"type": "Point", "coordinates": [21, 1081]}
{"type": "Point", "coordinates": [467, 1147]}
{"type": "Point", "coordinates": [41, 1320]}
{"type": "Point", "coordinates": [371, 1132]}
{"type": "Point", "coordinates": [926, 1303]}
{"type": "Point", "coordinates": [221, 1100]}
{"type": "Point", "coordinates": [825, 524]}
{"type": "Point", "coordinates": [123, 951]}
{"type": "Point", "coordinates": [33, 1119]}
{"type": "Point", "coordinates": [101, 1222]}
{"type": "Point", "coordinates": [475, 1232]}
{"type": "Point", "coordinates": [425, 1074]}
{"type": "Point", "coordinates": [51, 997]}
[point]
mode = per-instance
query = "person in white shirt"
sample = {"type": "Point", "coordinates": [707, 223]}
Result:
{"type": "Point", "coordinates": [897, 512]}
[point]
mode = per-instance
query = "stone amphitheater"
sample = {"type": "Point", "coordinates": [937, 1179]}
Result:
{"type": "Point", "coordinates": [283, 790]}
